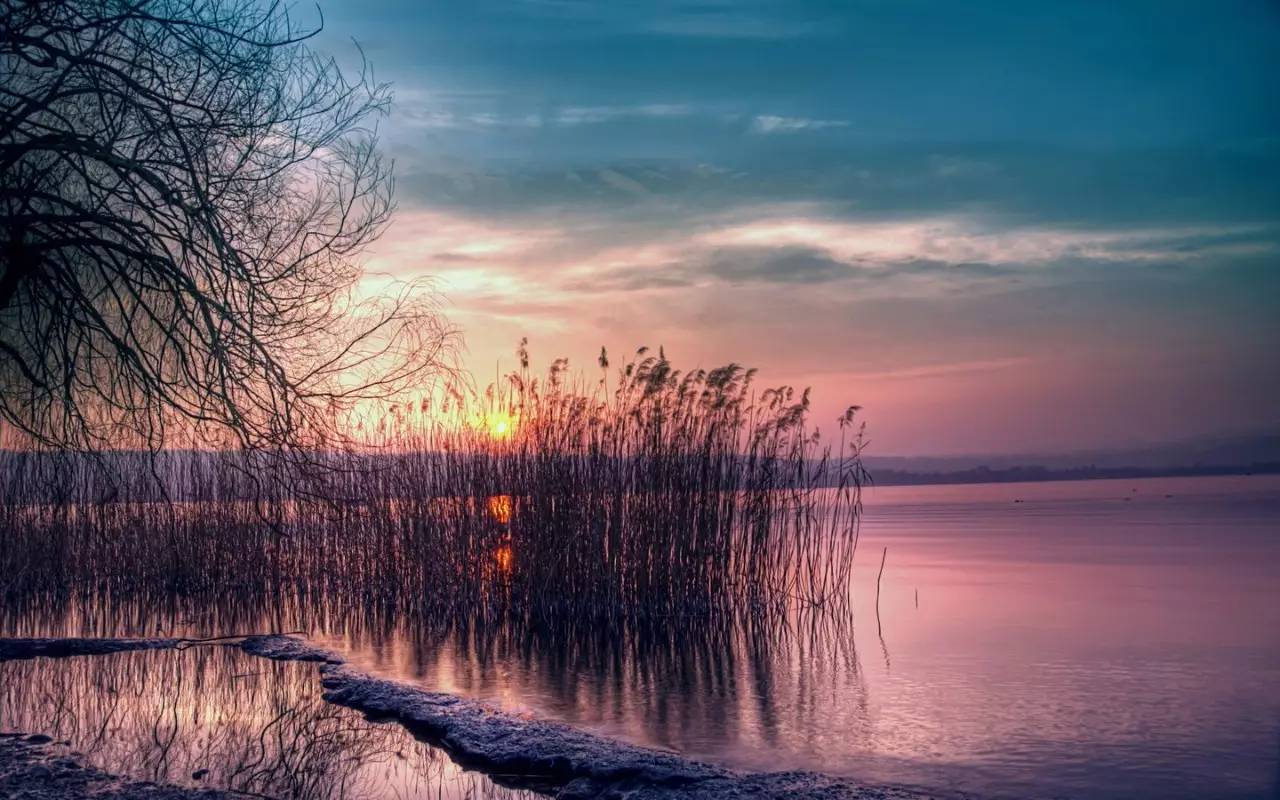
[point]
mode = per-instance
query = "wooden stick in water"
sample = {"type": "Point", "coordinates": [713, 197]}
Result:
{"type": "Point", "coordinates": [879, 575]}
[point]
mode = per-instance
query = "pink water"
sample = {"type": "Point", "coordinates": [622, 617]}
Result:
{"type": "Point", "coordinates": [1097, 639]}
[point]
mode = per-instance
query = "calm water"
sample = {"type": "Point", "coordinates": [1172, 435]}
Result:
{"type": "Point", "coordinates": [215, 717]}
{"type": "Point", "coordinates": [1101, 639]}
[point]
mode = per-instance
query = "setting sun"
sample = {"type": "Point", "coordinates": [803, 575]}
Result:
{"type": "Point", "coordinates": [499, 425]}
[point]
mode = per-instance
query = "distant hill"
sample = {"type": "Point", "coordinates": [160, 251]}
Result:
{"type": "Point", "coordinates": [1223, 456]}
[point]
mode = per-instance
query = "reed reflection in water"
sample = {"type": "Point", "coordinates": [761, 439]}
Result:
{"type": "Point", "coordinates": [692, 682]}
{"type": "Point", "coordinates": [1098, 639]}
{"type": "Point", "coordinates": [240, 723]}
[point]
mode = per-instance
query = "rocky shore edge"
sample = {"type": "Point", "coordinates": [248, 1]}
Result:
{"type": "Point", "coordinates": [33, 767]}
{"type": "Point", "coordinates": [549, 757]}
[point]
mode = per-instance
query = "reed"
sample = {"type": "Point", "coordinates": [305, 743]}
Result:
{"type": "Point", "coordinates": [557, 496]}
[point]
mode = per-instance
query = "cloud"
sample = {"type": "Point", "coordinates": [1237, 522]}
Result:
{"type": "Point", "coordinates": [968, 239]}
{"type": "Point", "coordinates": [423, 110]}
{"type": "Point", "coordinates": [552, 257]}
{"type": "Point", "coordinates": [769, 123]}
{"type": "Point", "coordinates": [587, 115]}
{"type": "Point", "coordinates": [460, 120]}
{"type": "Point", "coordinates": [733, 265]}
{"type": "Point", "coordinates": [775, 265]}
{"type": "Point", "coordinates": [618, 180]}
{"type": "Point", "coordinates": [741, 19]}
{"type": "Point", "coordinates": [944, 369]}
{"type": "Point", "coordinates": [736, 26]}
{"type": "Point", "coordinates": [796, 267]}
{"type": "Point", "coordinates": [1016, 186]}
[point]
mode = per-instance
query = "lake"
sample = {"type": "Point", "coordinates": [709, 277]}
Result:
{"type": "Point", "coordinates": [1099, 639]}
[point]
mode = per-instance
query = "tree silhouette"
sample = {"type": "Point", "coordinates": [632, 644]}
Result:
{"type": "Point", "coordinates": [185, 187]}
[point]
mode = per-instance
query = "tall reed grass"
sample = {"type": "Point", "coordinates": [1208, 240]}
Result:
{"type": "Point", "coordinates": [665, 494]}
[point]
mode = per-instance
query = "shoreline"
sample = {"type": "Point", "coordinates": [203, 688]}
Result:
{"type": "Point", "coordinates": [547, 757]}
{"type": "Point", "coordinates": [34, 767]}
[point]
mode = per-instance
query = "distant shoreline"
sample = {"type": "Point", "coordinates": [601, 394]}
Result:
{"type": "Point", "coordinates": [1035, 474]}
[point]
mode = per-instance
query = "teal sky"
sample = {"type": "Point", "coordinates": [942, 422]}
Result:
{"type": "Point", "coordinates": [1000, 227]}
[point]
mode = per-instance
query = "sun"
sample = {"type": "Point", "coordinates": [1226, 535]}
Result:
{"type": "Point", "coordinates": [500, 425]}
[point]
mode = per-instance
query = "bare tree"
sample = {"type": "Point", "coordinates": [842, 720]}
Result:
{"type": "Point", "coordinates": [185, 187]}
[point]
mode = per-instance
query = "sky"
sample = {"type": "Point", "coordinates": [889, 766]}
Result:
{"type": "Point", "coordinates": [998, 227]}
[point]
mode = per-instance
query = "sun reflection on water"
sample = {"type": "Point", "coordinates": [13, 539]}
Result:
{"type": "Point", "coordinates": [500, 508]}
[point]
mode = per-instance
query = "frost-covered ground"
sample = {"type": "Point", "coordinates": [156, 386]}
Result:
{"type": "Point", "coordinates": [35, 768]}
{"type": "Point", "coordinates": [550, 757]}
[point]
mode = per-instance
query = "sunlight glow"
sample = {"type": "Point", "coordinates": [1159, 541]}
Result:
{"type": "Point", "coordinates": [503, 557]}
{"type": "Point", "coordinates": [500, 508]}
{"type": "Point", "coordinates": [500, 425]}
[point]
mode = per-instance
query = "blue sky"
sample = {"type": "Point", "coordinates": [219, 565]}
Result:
{"type": "Point", "coordinates": [1000, 227]}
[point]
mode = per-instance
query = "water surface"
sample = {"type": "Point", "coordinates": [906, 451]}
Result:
{"type": "Point", "coordinates": [216, 717]}
{"type": "Point", "coordinates": [1101, 639]}
{"type": "Point", "coordinates": [1094, 639]}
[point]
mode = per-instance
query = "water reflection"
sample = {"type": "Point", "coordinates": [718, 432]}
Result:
{"type": "Point", "coordinates": [215, 717]}
{"type": "Point", "coordinates": [696, 684]}
{"type": "Point", "coordinates": [1074, 644]}
{"type": "Point", "coordinates": [499, 506]}
{"type": "Point", "coordinates": [676, 685]}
